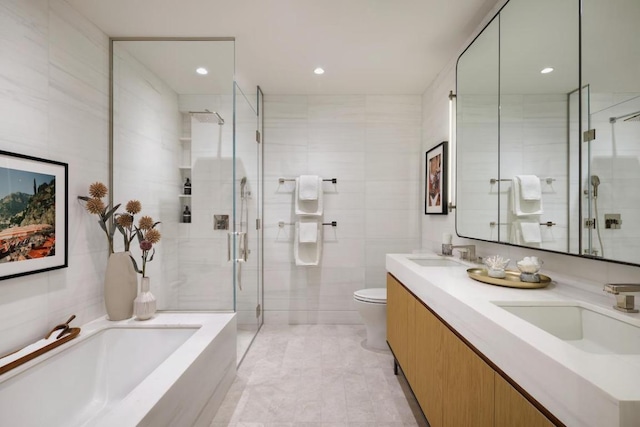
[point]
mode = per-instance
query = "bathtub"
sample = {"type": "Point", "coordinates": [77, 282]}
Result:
{"type": "Point", "coordinates": [172, 370]}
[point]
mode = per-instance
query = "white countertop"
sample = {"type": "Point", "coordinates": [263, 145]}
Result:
{"type": "Point", "coordinates": [579, 388]}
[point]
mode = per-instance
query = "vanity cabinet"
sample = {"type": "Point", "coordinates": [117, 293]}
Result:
{"type": "Point", "coordinates": [453, 384]}
{"type": "Point", "coordinates": [400, 325]}
{"type": "Point", "coordinates": [512, 409]}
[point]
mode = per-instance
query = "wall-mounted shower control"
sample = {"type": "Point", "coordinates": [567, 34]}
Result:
{"type": "Point", "coordinates": [612, 221]}
{"type": "Point", "coordinates": [589, 223]}
{"type": "Point", "coordinates": [221, 222]}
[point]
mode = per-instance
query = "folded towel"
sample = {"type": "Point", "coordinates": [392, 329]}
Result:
{"type": "Point", "coordinates": [530, 232]}
{"type": "Point", "coordinates": [309, 187]}
{"type": "Point", "coordinates": [308, 207]}
{"type": "Point", "coordinates": [307, 254]}
{"type": "Point", "coordinates": [521, 207]}
{"type": "Point", "coordinates": [530, 188]}
{"type": "Point", "coordinates": [308, 232]}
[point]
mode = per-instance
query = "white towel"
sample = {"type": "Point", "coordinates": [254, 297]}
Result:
{"type": "Point", "coordinates": [530, 232]}
{"type": "Point", "coordinates": [310, 186]}
{"type": "Point", "coordinates": [530, 188]}
{"type": "Point", "coordinates": [526, 233]}
{"type": "Point", "coordinates": [307, 254]}
{"type": "Point", "coordinates": [308, 232]}
{"type": "Point", "coordinates": [521, 207]}
{"type": "Point", "coordinates": [308, 207]}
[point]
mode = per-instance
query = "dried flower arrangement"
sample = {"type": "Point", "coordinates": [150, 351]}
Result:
{"type": "Point", "coordinates": [124, 222]}
{"type": "Point", "coordinates": [95, 205]}
{"type": "Point", "coordinates": [145, 231]}
{"type": "Point", "coordinates": [147, 237]}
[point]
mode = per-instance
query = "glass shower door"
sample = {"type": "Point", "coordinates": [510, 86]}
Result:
{"type": "Point", "coordinates": [247, 215]}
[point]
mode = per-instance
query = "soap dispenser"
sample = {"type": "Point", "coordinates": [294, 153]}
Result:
{"type": "Point", "coordinates": [186, 215]}
{"type": "Point", "coordinates": [187, 187]}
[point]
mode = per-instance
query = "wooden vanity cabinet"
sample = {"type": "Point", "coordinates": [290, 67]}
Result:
{"type": "Point", "coordinates": [454, 386]}
{"type": "Point", "coordinates": [512, 409]}
{"type": "Point", "coordinates": [400, 325]}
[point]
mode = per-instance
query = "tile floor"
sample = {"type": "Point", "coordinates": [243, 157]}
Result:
{"type": "Point", "coordinates": [317, 376]}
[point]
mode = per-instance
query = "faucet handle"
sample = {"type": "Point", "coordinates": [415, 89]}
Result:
{"type": "Point", "coordinates": [464, 253]}
{"type": "Point", "coordinates": [624, 302]}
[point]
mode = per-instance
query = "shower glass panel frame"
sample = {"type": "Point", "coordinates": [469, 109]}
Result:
{"type": "Point", "coordinates": [247, 214]}
{"type": "Point", "coordinates": [156, 142]}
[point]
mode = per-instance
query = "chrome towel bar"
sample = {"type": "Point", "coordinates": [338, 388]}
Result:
{"type": "Point", "coordinates": [331, 180]}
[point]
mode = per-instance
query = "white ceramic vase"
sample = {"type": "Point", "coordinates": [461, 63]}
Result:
{"type": "Point", "coordinates": [120, 286]}
{"type": "Point", "coordinates": [144, 306]}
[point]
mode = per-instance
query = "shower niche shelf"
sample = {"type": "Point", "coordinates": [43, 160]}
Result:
{"type": "Point", "coordinates": [185, 167]}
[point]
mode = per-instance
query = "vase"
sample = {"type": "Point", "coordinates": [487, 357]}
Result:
{"type": "Point", "coordinates": [144, 306]}
{"type": "Point", "coordinates": [120, 286]}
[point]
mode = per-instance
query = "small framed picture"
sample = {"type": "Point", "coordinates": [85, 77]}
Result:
{"type": "Point", "coordinates": [435, 202]}
{"type": "Point", "coordinates": [33, 215]}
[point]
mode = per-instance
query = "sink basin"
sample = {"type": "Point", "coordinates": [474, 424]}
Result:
{"type": "Point", "coordinates": [586, 329]}
{"type": "Point", "coordinates": [436, 262]}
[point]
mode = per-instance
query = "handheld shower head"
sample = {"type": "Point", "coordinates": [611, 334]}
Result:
{"type": "Point", "coordinates": [243, 183]}
{"type": "Point", "coordinates": [595, 182]}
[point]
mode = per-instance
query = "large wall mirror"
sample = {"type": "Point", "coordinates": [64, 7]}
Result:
{"type": "Point", "coordinates": [529, 172]}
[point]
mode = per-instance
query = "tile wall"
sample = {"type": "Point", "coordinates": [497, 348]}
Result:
{"type": "Point", "coordinates": [371, 144]}
{"type": "Point", "coordinates": [147, 152]}
{"type": "Point", "coordinates": [54, 98]}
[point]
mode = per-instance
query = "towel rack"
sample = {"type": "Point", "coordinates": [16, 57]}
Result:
{"type": "Point", "coordinates": [548, 180]}
{"type": "Point", "coordinates": [281, 224]}
{"type": "Point", "coordinates": [331, 180]}
{"type": "Point", "coordinates": [493, 223]}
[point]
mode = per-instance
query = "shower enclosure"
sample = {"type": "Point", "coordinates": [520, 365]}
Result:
{"type": "Point", "coordinates": [185, 143]}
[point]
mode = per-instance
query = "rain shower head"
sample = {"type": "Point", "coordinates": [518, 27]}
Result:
{"type": "Point", "coordinates": [207, 116]}
{"type": "Point", "coordinates": [634, 118]}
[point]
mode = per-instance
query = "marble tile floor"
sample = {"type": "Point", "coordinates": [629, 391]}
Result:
{"type": "Point", "coordinates": [317, 376]}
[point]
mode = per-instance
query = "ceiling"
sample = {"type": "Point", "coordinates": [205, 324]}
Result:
{"type": "Point", "coordinates": [365, 46]}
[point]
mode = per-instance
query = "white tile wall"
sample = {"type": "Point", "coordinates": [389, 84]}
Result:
{"type": "Point", "coordinates": [435, 127]}
{"type": "Point", "coordinates": [371, 144]}
{"type": "Point", "coordinates": [54, 95]}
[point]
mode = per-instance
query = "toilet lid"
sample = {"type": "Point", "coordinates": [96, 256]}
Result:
{"type": "Point", "coordinates": [375, 295]}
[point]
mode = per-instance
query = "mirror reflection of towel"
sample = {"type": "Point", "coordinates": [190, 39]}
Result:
{"type": "Point", "coordinates": [530, 188]}
{"type": "Point", "coordinates": [526, 232]}
{"type": "Point", "coordinates": [521, 207]}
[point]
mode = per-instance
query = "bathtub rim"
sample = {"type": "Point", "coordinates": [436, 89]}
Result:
{"type": "Point", "coordinates": [150, 390]}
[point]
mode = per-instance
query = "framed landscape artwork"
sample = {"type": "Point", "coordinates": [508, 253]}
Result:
{"type": "Point", "coordinates": [33, 215]}
{"type": "Point", "coordinates": [435, 201]}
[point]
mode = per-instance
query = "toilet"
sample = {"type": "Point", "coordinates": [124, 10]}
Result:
{"type": "Point", "coordinates": [372, 306]}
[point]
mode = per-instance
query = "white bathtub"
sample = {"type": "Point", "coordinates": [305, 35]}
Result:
{"type": "Point", "coordinates": [171, 370]}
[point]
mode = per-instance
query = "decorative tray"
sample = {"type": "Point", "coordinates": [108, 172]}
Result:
{"type": "Point", "coordinates": [512, 279]}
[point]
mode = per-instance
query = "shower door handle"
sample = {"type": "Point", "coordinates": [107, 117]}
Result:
{"type": "Point", "coordinates": [243, 246]}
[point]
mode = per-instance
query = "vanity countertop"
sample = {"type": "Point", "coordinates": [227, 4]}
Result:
{"type": "Point", "coordinates": [578, 387]}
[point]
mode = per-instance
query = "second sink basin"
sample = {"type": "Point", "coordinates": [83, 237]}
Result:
{"type": "Point", "coordinates": [584, 328]}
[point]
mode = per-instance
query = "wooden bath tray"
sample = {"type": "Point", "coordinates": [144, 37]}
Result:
{"type": "Point", "coordinates": [73, 332]}
{"type": "Point", "coordinates": [512, 279]}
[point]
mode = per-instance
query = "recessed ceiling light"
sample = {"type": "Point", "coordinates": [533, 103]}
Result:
{"type": "Point", "coordinates": [202, 71]}
{"type": "Point", "coordinates": [319, 71]}
{"type": "Point", "coordinates": [546, 70]}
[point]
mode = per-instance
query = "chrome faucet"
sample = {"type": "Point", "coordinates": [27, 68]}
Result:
{"type": "Point", "coordinates": [467, 252]}
{"type": "Point", "coordinates": [624, 302]}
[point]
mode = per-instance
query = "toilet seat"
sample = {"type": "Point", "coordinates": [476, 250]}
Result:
{"type": "Point", "coordinates": [371, 295]}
